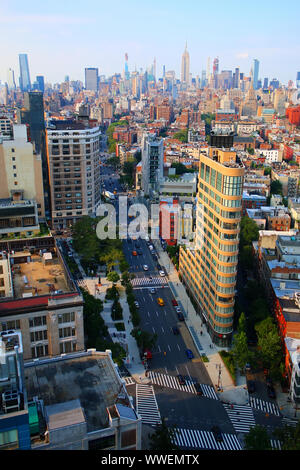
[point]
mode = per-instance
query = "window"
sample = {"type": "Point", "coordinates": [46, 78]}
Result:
{"type": "Point", "coordinates": [67, 347]}
{"type": "Point", "coordinates": [67, 331]}
{"type": "Point", "coordinates": [37, 321]}
{"type": "Point", "coordinates": [9, 439]}
{"type": "Point", "coordinates": [66, 317]}
{"type": "Point", "coordinates": [10, 325]}
{"type": "Point", "coordinates": [38, 335]}
{"type": "Point", "coordinates": [39, 351]}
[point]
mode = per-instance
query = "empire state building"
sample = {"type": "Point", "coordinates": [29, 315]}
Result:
{"type": "Point", "coordinates": [185, 67]}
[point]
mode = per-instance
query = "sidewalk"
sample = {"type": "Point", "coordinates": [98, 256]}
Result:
{"type": "Point", "coordinates": [133, 361]}
{"type": "Point", "coordinates": [220, 377]}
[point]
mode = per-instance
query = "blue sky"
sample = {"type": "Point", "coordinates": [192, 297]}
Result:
{"type": "Point", "coordinates": [62, 37]}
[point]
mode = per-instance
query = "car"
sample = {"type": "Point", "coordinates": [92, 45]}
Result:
{"type": "Point", "coordinates": [160, 301]}
{"type": "Point", "coordinates": [178, 309]}
{"type": "Point", "coordinates": [181, 379]}
{"type": "Point", "coordinates": [198, 389]}
{"type": "Point", "coordinates": [175, 330]}
{"type": "Point", "coordinates": [136, 304]}
{"type": "Point", "coordinates": [180, 317]}
{"type": "Point", "coordinates": [129, 240]}
{"type": "Point", "coordinates": [217, 433]}
{"type": "Point", "coordinates": [271, 391]}
{"type": "Point", "coordinates": [151, 248]}
{"type": "Point", "coordinates": [189, 354]}
{"type": "Point", "coordinates": [174, 302]}
{"type": "Point", "coordinates": [152, 290]}
{"type": "Point", "coordinates": [162, 273]}
{"type": "Point", "coordinates": [251, 386]}
{"type": "Point", "coordinates": [134, 253]}
{"type": "Point", "coordinates": [145, 267]}
{"type": "Point", "coordinates": [139, 252]}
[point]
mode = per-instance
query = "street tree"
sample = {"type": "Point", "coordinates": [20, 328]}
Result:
{"type": "Point", "coordinates": [289, 437]}
{"type": "Point", "coordinates": [268, 342]}
{"type": "Point", "coordinates": [113, 276]}
{"type": "Point", "coordinates": [162, 438]}
{"type": "Point", "coordinates": [257, 439]}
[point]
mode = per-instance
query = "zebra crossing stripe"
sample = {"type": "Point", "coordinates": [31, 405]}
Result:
{"type": "Point", "coordinates": [289, 421]}
{"type": "Point", "coordinates": [275, 444]}
{"type": "Point", "coordinates": [138, 281]}
{"type": "Point", "coordinates": [146, 405]}
{"type": "Point", "coordinates": [171, 382]}
{"type": "Point", "coordinates": [241, 417]}
{"type": "Point", "coordinates": [265, 406]}
{"type": "Point", "coordinates": [129, 381]}
{"type": "Point", "coordinates": [197, 439]}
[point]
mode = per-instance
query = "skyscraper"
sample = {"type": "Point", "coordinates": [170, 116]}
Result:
{"type": "Point", "coordinates": [25, 83]}
{"type": "Point", "coordinates": [33, 115]}
{"type": "Point", "coordinates": [185, 67]}
{"type": "Point", "coordinates": [91, 78]}
{"type": "Point", "coordinates": [11, 79]}
{"type": "Point", "coordinates": [255, 73]}
{"type": "Point", "coordinates": [298, 80]}
{"type": "Point", "coordinates": [209, 269]}
{"type": "Point", "coordinates": [126, 71]}
{"type": "Point", "coordinates": [152, 161]}
{"type": "Point", "coordinates": [41, 83]}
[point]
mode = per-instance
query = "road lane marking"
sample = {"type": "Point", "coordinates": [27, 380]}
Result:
{"type": "Point", "coordinates": [178, 347]}
{"type": "Point", "coordinates": [169, 347]}
{"type": "Point", "coordinates": [162, 329]}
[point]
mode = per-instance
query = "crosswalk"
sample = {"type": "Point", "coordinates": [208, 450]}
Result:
{"type": "Point", "coordinates": [289, 421]}
{"type": "Point", "coordinates": [241, 417]}
{"type": "Point", "coordinates": [196, 439]}
{"type": "Point", "coordinates": [81, 283]}
{"type": "Point", "coordinates": [146, 281]}
{"type": "Point", "coordinates": [170, 381]}
{"type": "Point", "coordinates": [265, 406]}
{"type": "Point", "coordinates": [146, 405]}
{"type": "Point", "coordinates": [275, 444]}
{"type": "Point", "coordinates": [129, 381]}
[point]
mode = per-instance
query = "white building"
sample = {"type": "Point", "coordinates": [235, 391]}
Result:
{"type": "Point", "coordinates": [272, 156]}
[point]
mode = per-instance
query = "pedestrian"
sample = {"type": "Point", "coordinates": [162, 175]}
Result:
{"type": "Point", "coordinates": [132, 359]}
{"type": "Point", "coordinates": [201, 332]}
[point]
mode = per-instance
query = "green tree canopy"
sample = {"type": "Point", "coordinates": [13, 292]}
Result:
{"type": "Point", "coordinates": [162, 438]}
{"type": "Point", "coordinates": [289, 437]}
{"type": "Point", "coordinates": [268, 342]}
{"type": "Point", "coordinates": [257, 439]}
{"type": "Point", "coordinates": [113, 276]}
{"type": "Point", "coordinates": [276, 187]}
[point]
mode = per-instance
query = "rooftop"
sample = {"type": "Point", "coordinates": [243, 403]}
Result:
{"type": "Point", "coordinates": [89, 377]}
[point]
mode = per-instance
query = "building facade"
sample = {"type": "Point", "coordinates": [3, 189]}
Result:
{"type": "Point", "coordinates": [209, 269]}
{"type": "Point", "coordinates": [74, 161]}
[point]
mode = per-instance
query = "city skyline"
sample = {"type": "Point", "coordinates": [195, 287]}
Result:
{"type": "Point", "coordinates": [48, 38]}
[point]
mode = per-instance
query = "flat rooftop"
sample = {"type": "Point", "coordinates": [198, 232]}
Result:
{"type": "Point", "coordinates": [89, 377]}
{"type": "Point", "coordinates": [38, 277]}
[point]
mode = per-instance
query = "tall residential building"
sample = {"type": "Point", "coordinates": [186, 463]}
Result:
{"type": "Point", "coordinates": [11, 79]}
{"type": "Point", "coordinates": [266, 83]}
{"type": "Point", "coordinates": [298, 80]}
{"type": "Point", "coordinates": [152, 162]}
{"type": "Point", "coordinates": [185, 67]}
{"type": "Point", "coordinates": [91, 78]}
{"type": "Point", "coordinates": [21, 184]}
{"type": "Point", "coordinates": [255, 73]}
{"type": "Point", "coordinates": [33, 115]}
{"type": "Point", "coordinates": [126, 70]}
{"type": "Point", "coordinates": [209, 269]}
{"type": "Point", "coordinates": [25, 83]}
{"type": "Point", "coordinates": [74, 162]}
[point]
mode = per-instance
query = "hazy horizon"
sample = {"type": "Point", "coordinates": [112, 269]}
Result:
{"type": "Point", "coordinates": [62, 38]}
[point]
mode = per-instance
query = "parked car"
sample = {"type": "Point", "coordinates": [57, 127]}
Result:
{"type": "Point", "coordinates": [181, 379]}
{"type": "Point", "coordinates": [174, 302]}
{"type": "Point", "coordinates": [251, 386]}
{"type": "Point", "coordinates": [178, 309]}
{"type": "Point", "coordinates": [180, 317]}
{"type": "Point", "coordinates": [217, 433]}
{"type": "Point", "coordinates": [136, 304]}
{"type": "Point", "coordinates": [198, 389]}
{"type": "Point", "coordinates": [162, 273]}
{"type": "Point", "coordinates": [175, 330]}
{"type": "Point", "coordinates": [189, 354]}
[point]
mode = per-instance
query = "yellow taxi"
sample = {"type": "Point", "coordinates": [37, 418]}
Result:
{"type": "Point", "coordinates": [160, 301]}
